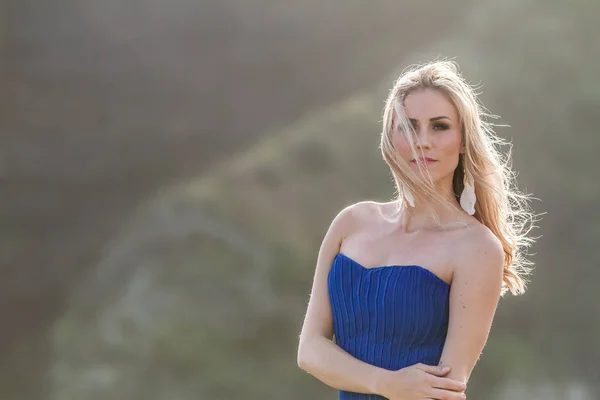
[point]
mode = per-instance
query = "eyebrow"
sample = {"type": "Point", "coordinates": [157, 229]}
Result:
{"type": "Point", "coordinates": [432, 119]}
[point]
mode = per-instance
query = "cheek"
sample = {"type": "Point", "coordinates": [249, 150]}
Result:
{"type": "Point", "coordinates": [400, 143]}
{"type": "Point", "coordinates": [450, 144]}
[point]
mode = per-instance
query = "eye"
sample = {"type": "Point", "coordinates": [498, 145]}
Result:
{"type": "Point", "coordinates": [440, 127]}
{"type": "Point", "coordinates": [413, 124]}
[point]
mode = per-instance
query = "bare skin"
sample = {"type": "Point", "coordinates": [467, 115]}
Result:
{"type": "Point", "coordinates": [463, 253]}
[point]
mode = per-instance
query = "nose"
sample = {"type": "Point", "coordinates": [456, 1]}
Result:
{"type": "Point", "coordinates": [423, 140]}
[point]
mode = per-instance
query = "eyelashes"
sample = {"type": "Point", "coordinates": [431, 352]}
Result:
{"type": "Point", "coordinates": [436, 127]}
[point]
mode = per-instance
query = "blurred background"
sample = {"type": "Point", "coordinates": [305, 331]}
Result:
{"type": "Point", "coordinates": [169, 168]}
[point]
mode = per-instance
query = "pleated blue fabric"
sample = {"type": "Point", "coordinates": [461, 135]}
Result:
{"type": "Point", "coordinates": [391, 316]}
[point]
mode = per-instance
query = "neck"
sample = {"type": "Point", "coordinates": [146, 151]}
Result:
{"type": "Point", "coordinates": [423, 215]}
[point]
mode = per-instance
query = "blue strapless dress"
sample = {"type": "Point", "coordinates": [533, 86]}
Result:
{"type": "Point", "coordinates": [391, 316]}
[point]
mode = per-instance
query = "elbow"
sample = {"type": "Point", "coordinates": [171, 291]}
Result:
{"type": "Point", "coordinates": [304, 358]}
{"type": "Point", "coordinates": [303, 363]}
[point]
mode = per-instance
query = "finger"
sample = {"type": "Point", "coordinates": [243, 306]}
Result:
{"type": "Point", "coordinates": [448, 384]}
{"type": "Point", "coordinates": [434, 369]}
{"type": "Point", "coordinates": [441, 394]}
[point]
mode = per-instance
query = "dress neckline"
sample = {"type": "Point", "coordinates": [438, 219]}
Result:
{"type": "Point", "coordinates": [382, 267]}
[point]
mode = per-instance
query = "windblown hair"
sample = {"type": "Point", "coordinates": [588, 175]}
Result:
{"type": "Point", "coordinates": [500, 206]}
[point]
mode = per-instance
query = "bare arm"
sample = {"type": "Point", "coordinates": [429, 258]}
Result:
{"type": "Point", "coordinates": [474, 297]}
{"type": "Point", "coordinates": [317, 354]}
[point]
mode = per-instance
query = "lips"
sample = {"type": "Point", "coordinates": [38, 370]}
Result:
{"type": "Point", "coordinates": [424, 161]}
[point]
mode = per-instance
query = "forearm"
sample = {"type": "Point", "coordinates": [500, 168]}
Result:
{"type": "Point", "coordinates": [333, 366]}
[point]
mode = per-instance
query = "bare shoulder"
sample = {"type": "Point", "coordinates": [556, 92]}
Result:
{"type": "Point", "coordinates": [348, 220]}
{"type": "Point", "coordinates": [479, 251]}
{"type": "Point", "coordinates": [366, 208]}
{"type": "Point", "coordinates": [357, 214]}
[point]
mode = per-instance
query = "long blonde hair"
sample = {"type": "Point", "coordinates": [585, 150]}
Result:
{"type": "Point", "coordinates": [500, 206]}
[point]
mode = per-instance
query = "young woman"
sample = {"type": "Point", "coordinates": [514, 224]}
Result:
{"type": "Point", "coordinates": [409, 288]}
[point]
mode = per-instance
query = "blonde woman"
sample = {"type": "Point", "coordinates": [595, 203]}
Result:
{"type": "Point", "coordinates": [409, 288]}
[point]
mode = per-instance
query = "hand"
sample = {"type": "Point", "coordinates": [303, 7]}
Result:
{"type": "Point", "coordinates": [420, 382]}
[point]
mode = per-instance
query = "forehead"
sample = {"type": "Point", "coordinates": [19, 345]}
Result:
{"type": "Point", "coordinates": [429, 103]}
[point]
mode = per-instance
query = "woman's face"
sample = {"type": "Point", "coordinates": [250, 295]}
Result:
{"type": "Point", "coordinates": [437, 134]}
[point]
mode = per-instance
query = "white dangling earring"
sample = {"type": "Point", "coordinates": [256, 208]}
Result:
{"type": "Point", "coordinates": [467, 197]}
{"type": "Point", "coordinates": [408, 195]}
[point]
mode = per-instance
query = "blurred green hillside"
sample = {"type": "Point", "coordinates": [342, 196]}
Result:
{"type": "Point", "coordinates": [225, 261]}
